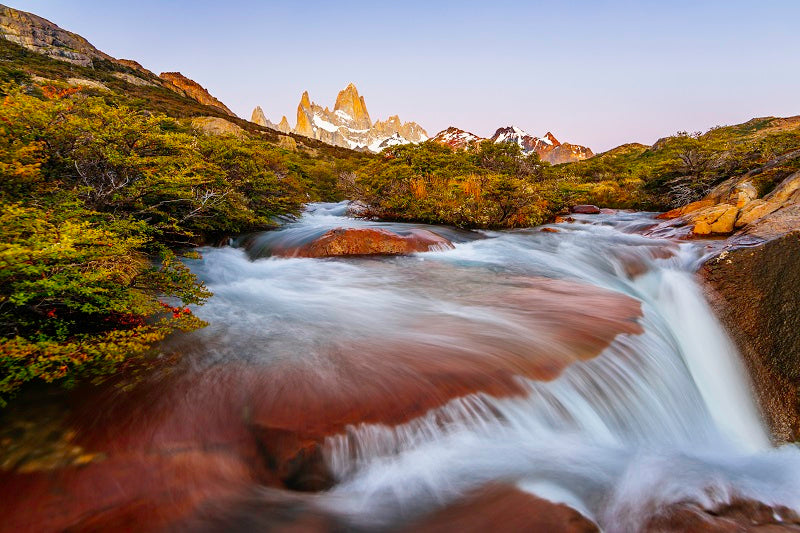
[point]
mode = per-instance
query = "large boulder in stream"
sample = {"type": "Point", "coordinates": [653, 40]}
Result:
{"type": "Point", "coordinates": [367, 241]}
{"type": "Point", "coordinates": [585, 209]}
{"type": "Point", "coordinates": [753, 285]}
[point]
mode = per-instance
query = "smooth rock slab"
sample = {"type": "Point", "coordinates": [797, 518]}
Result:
{"type": "Point", "coordinates": [367, 241]}
{"type": "Point", "coordinates": [585, 209]}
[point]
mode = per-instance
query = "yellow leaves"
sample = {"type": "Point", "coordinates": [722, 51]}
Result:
{"type": "Point", "coordinates": [418, 187]}
{"type": "Point", "coordinates": [472, 186]}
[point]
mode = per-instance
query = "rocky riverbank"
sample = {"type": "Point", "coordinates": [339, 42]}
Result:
{"type": "Point", "coordinates": [753, 284]}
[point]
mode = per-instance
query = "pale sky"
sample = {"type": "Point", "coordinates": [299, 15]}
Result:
{"type": "Point", "coordinates": [598, 73]}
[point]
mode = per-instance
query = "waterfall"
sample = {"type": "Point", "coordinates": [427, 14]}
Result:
{"type": "Point", "coordinates": [660, 416]}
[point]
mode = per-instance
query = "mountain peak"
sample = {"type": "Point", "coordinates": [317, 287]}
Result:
{"type": "Point", "coordinates": [550, 137]}
{"type": "Point", "coordinates": [349, 125]}
{"type": "Point", "coordinates": [348, 101]}
{"type": "Point", "coordinates": [548, 147]}
{"type": "Point", "coordinates": [259, 117]}
{"type": "Point", "coordinates": [512, 129]}
{"type": "Point", "coordinates": [457, 138]}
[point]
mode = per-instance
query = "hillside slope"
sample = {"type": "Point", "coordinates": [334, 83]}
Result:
{"type": "Point", "coordinates": [107, 177]}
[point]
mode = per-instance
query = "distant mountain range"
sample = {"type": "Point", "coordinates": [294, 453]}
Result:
{"type": "Point", "coordinates": [547, 147]}
{"type": "Point", "coordinates": [348, 125]}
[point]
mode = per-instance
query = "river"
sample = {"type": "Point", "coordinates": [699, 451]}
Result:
{"type": "Point", "coordinates": [581, 365]}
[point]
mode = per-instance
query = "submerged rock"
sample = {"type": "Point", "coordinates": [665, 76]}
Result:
{"type": "Point", "coordinates": [367, 241]}
{"type": "Point", "coordinates": [389, 381]}
{"type": "Point", "coordinates": [500, 509]}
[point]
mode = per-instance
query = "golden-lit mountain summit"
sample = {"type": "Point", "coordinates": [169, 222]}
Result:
{"type": "Point", "coordinates": [348, 125]}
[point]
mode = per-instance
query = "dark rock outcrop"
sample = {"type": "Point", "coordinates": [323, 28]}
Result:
{"type": "Point", "coordinates": [753, 284]}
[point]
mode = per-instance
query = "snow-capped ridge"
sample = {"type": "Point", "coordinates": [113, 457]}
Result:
{"type": "Point", "coordinates": [349, 124]}
{"type": "Point", "coordinates": [457, 138]}
{"type": "Point", "coordinates": [547, 147]}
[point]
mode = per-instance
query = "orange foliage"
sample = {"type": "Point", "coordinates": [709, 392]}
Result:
{"type": "Point", "coordinates": [418, 188]}
{"type": "Point", "coordinates": [54, 93]}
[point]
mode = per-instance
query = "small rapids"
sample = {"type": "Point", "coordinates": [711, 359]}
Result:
{"type": "Point", "coordinates": [661, 416]}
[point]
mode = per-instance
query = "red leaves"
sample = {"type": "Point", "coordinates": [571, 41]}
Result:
{"type": "Point", "coordinates": [126, 320]}
{"type": "Point", "coordinates": [176, 311]}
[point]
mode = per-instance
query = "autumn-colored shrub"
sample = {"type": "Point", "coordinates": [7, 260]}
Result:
{"type": "Point", "coordinates": [495, 186]}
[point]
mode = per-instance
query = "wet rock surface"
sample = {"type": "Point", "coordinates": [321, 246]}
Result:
{"type": "Point", "coordinates": [753, 286]}
{"type": "Point", "coordinates": [367, 241]}
{"type": "Point", "coordinates": [210, 437]}
{"type": "Point", "coordinates": [585, 209]}
{"type": "Point", "coordinates": [738, 516]}
{"type": "Point", "coordinates": [501, 509]}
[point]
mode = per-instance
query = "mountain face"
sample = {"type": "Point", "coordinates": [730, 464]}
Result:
{"type": "Point", "coordinates": [528, 143]}
{"type": "Point", "coordinates": [567, 153]}
{"type": "Point", "coordinates": [258, 117]}
{"type": "Point", "coordinates": [43, 37]}
{"type": "Point", "coordinates": [348, 124]}
{"type": "Point", "coordinates": [457, 139]}
{"type": "Point", "coordinates": [548, 147]}
{"type": "Point", "coordinates": [191, 89]}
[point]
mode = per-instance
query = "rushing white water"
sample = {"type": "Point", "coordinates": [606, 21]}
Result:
{"type": "Point", "coordinates": [659, 417]}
